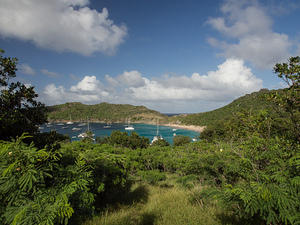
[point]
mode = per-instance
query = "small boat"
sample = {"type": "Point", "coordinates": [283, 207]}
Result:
{"type": "Point", "coordinates": [74, 137]}
{"type": "Point", "coordinates": [129, 127]}
{"type": "Point", "coordinates": [194, 139]}
{"type": "Point", "coordinates": [41, 128]}
{"type": "Point", "coordinates": [60, 124]}
{"type": "Point", "coordinates": [174, 129]}
{"type": "Point", "coordinates": [70, 122]}
{"type": "Point", "coordinates": [85, 134]}
{"type": "Point", "coordinates": [174, 134]}
{"type": "Point", "coordinates": [64, 127]}
{"type": "Point", "coordinates": [108, 125]}
{"type": "Point", "coordinates": [82, 135]}
{"type": "Point", "coordinates": [49, 125]}
{"type": "Point", "coordinates": [81, 124]}
{"type": "Point", "coordinates": [76, 128]}
{"type": "Point", "coordinates": [157, 137]}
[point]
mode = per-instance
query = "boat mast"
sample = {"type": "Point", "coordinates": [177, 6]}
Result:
{"type": "Point", "coordinates": [88, 124]}
{"type": "Point", "coordinates": [157, 127]}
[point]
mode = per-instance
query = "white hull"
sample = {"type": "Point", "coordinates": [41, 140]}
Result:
{"type": "Point", "coordinates": [129, 128]}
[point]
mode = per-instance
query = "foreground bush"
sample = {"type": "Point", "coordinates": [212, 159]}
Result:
{"type": "Point", "coordinates": [180, 140]}
{"type": "Point", "coordinates": [49, 186]}
{"type": "Point", "coordinates": [122, 139]}
{"type": "Point", "coordinates": [262, 184]}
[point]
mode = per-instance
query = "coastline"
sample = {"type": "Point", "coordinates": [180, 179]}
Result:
{"type": "Point", "coordinates": [186, 127]}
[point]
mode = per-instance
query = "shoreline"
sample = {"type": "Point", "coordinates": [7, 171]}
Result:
{"type": "Point", "coordinates": [186, 127]}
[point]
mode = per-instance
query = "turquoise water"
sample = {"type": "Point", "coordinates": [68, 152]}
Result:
{"type": "Point", "coordinates": [145, 130]}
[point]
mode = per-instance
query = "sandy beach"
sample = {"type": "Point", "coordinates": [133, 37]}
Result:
{"type": "Point", "coordinates": [186, 127]}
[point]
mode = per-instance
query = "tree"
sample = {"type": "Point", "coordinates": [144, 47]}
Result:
{"type": "Point", "coordinates": [19, 110]}
{"type": "Point", "coordinates": [180, 140]}
{"type": "Point", "coordinates": [290, 99]}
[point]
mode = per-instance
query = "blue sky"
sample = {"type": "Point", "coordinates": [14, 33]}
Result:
{"type": "Point", "coordinates": [171, 55]}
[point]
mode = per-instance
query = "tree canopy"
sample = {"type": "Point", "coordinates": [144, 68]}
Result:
{"type": "Point", "coordinates": [19, 110]}
{"type": "Point", "coordinates": [290, 99]}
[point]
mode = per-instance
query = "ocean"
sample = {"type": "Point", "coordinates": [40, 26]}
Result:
{"type": "Point", "coordinates": [101, 129]}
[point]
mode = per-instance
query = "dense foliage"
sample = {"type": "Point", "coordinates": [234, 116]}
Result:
{"type": "Point", "coordinates": [181, 140]}
{"type": "Point", "coordinates": [19, 110]}
{"type": "Point", "coordinates": [47, 187]}
{"type": "Point", "coordinates": [122, 139]}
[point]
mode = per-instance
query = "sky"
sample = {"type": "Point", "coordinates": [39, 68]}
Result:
{"type": "Point", "coordinates": [172, 56]}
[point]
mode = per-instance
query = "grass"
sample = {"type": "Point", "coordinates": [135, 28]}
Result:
{"type": "Point", "coordinates": [164, 204]}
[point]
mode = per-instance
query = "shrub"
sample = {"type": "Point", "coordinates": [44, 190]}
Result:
{"type": "Point", "coordinates": [121, 139]}
{"type": "Point", "coordinates": [180, 140]}
{"type": "Point", "coordinates": [35, 189]}
{"type": "Point", "coordinates": [160, 143]}
{"type": "Point", "coordinates": [48, 186]}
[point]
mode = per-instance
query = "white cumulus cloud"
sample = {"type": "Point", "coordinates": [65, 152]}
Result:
{"type": "Point", "coordinates": [88, 90]}
{"type": "Point", "coordinates": [231, 80]}
{"type": "Point", "coordinates": [61, 25]}
{"type": "Point", "coordinates": [250, 28]}
{"type": "Point", "coordinates": [132, 79]}
{"type": "Point", "coordinates": [88, 83]}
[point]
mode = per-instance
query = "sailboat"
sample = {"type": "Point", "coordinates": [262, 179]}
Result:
{"type": "Point", "coordinates": [157, 137]}
{"type": "Point", "coordinates": [129, 127]}
{"type": "Point", "coordinates": [70, 122]}
{"type": "Point", "coordinates": [108, 125]}
{"type": "Point", "coordinates": [86, 134]}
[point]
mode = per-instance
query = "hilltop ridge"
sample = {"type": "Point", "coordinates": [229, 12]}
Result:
{"type": "Point", "coordinates": [103, 112]}
{"type": "Point", "coordinates": [250, 102]}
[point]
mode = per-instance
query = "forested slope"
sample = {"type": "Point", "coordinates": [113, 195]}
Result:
{"type": "Point", "coordinates": [253, 102]}
{"type": "Point", "coordinates": [102, 112]}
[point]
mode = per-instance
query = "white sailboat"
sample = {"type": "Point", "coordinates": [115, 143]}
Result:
{"type": "Point", "coordinates": [129, 127]}
{"type": "Point", "coordinates": [85, 134]}
{"type": "Point", "coordinates": [70, 122]}
{"type": "Point", "coordinates": [157, 137]}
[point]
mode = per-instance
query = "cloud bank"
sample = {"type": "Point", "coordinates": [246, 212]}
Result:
{"type": "Point", "coordinates": [61, 25]}
{"type": "Point", "coordinates": [249, 28]}
{"type": "Point", "coordinates": [230, 80]}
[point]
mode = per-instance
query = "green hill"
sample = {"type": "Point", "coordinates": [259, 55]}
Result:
{"type": "Point", "coordinates": [251, 102]}
{"type": "Point", "coordinates": [103, 112]}
{"type": "Point", "coordinates": [106, 112]}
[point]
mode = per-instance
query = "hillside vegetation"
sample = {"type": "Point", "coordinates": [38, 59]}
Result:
{"type": "Point", "coordinates": [104, 112]}
{"type": "Point", "coordinates": [253, 102]}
